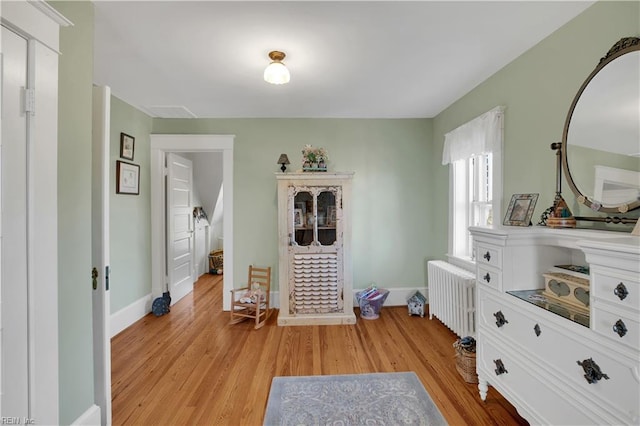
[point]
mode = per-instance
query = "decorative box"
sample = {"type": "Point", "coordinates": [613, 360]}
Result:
{"type": "Point", "coordinates": [567, 289]}
{"type": "Point", "coordinates": [416, 304]}
{"type": "Point", "coordinates": [314, 169]}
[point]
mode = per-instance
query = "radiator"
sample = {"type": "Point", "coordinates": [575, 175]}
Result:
{"type": "Point", "coordinates": [452, 297]}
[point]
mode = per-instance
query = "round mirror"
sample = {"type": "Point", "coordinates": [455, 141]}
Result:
{"type": "Point", "coordinates": [601, 137]}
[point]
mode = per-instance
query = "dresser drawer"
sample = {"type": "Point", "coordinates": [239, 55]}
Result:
{"type": "Point", "coordinates": [615, 287]}
{"type": "Point", "coordinates": [488, 254]}
{"type": "Point", "coordinates": [620, 326]}
{"type": "Point", "coordinates": [489, 276]}
{"type": "Point", "coordinates": [619, 394]}
{"type": "Point", "coordinates": [548, 341]}
{"type": "Point", "coordinates": [500, 319]}
{"type": "Point", "coordinates": [528, 389]}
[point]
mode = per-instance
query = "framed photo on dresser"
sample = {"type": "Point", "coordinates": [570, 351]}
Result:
{"type": "Point", "coordinates": [520, 210]}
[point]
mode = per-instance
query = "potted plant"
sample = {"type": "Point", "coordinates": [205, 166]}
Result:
{"type": "Point", "coordinates": [314, 158]}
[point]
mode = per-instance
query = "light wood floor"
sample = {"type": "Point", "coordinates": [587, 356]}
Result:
{"type": "Point", "coordinates": [191, 367]}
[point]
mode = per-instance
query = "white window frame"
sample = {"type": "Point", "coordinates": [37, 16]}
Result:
{"type": "Point", "coordinates": [467, 260]}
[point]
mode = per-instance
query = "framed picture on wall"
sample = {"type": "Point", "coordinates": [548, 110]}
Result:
{"type": "Point", "coordinates": [520, 210]}
{"type": "Point", "coordinates": [127, 178]}
{"type": "Point", "coordinates": [126, 146]}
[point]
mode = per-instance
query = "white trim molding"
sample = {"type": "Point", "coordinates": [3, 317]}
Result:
{"type": "Point", "coordinates": [399, 296]}
{"type": "Point", "coordinates": [34, 21]}
{"type": "Point", "coordinates": [396, 296]}
{"type": "Point", "coordinates": [91, 417]}
{"type": "Point", "coordinates": [130, 314]}
{"type": "Point", "coordinates": [161, 144]}
{"type": "Point", "coordinates": [48, 10]}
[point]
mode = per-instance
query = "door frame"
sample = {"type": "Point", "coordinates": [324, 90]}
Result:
{"type": "Point", "coordinates": [100, 251]}
{"type": "Point", "coordinates": [40, 23]}
{"type": "Point", "coordinates": [15, 285]}
{"type": "Point", "coordinates": [160, 145]}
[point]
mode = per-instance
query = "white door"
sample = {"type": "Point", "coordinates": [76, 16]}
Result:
{"type": "Point", "coordinates": [14, 344]}
{"type": "Point", "coordinates": [100, 252]}
{"type": "Point", "coordinates": [179, 226]}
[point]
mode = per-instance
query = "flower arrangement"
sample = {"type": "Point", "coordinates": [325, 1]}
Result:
{"type": "Point", "coordinates": [311, 155]}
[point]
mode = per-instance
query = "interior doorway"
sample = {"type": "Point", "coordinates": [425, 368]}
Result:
{"type": "Point", "coordinates": [161, 145]}
{"type": "Point", "coordinates": [206, 216]}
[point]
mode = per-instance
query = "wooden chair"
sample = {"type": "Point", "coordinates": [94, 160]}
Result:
{"type": "Point", "coordinates": [253, 301]}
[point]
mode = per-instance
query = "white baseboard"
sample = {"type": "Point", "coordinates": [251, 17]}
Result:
{"type": "Point", "coordinates": [399, 296]}
{"type": "Point", "coordinates": [91, 417]}
{"type": "Point", "coordinates": [130, 314]}
{"type": "Point", "coordinates": [396, 297]}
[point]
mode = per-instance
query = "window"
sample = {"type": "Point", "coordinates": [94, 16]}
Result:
{"type": "Point", "coordinates": [474, 154]}
{"type": "Point", "coordinates": [472, 193]}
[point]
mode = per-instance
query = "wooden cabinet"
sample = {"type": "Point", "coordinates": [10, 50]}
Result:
{"type": "Point", "coordinates": [557, 365]}
{"type": "Point", "coordinates": [314, 235]}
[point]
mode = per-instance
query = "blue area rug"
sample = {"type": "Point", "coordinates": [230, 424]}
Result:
{"type": "Point", "coordinates": [352, 399]}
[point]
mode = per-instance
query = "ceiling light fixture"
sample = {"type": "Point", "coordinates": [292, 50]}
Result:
{"type": "Point", "coordinates": [276, 72]}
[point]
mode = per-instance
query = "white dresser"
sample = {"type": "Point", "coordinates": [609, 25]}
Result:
{"type": "Point", "coordinates": [557, 365]}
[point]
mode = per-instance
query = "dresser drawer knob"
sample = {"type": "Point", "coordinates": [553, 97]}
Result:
{"type": "Point", "coordinates": [537, 329]}
{"type": "Point", "coordinates": [592, 372]}
{"type": "Point", "coordinates": [487, 277]}
{"type": "Point", "coordinates": [487, 256]}
{"type": "Point", "coordinates": [500, 319]}
{"type": "Point", "coordinates": [499, 367]}
{"type": "Point", "coordinates": [620, 328]}
{"type": "Point", "coordinates": [621, 291]}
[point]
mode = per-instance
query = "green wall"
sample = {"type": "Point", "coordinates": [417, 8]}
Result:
{"type": "Point", "coordinates": [130, 227]}
{"type": "Point", "coordinates": [390, 188]}
{"type": "Point", "coordinates": [537, 90]}
{"type": "Point", "coordinates": [74, 210]}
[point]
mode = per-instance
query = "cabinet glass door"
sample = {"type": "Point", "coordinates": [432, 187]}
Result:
{"type": "Point", "coordinates": [326, 215]}
{"type": "Point", "coordinates": [315, 216]}
{"type": "Point", "coordinates": [303, 218]}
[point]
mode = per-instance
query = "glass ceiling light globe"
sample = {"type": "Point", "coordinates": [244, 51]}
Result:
{"type": "Point", "coordinates": [276, 72]}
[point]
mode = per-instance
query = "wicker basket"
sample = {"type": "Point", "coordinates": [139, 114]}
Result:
{"type": "Point", "coordinates": [466, 363]}
{"type": "Point", "coordinates": [216, 259]}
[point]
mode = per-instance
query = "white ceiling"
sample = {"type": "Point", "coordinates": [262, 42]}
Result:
{"type": "Point", "coordinates": [347, 59]}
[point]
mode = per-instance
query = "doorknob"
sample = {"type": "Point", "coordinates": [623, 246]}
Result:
{"type": "Point", "coordinates": [94, 278]}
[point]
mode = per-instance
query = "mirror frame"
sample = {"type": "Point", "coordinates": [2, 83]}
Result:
{"type": "Point", "coordinates": [622, 47]}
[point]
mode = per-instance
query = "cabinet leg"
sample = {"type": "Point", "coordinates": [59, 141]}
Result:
{"type": "Point", "coordinates": [483, 387]}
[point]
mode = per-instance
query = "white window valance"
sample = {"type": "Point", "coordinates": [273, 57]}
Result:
{"type": "Point", "coordinates": [481, 135]}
